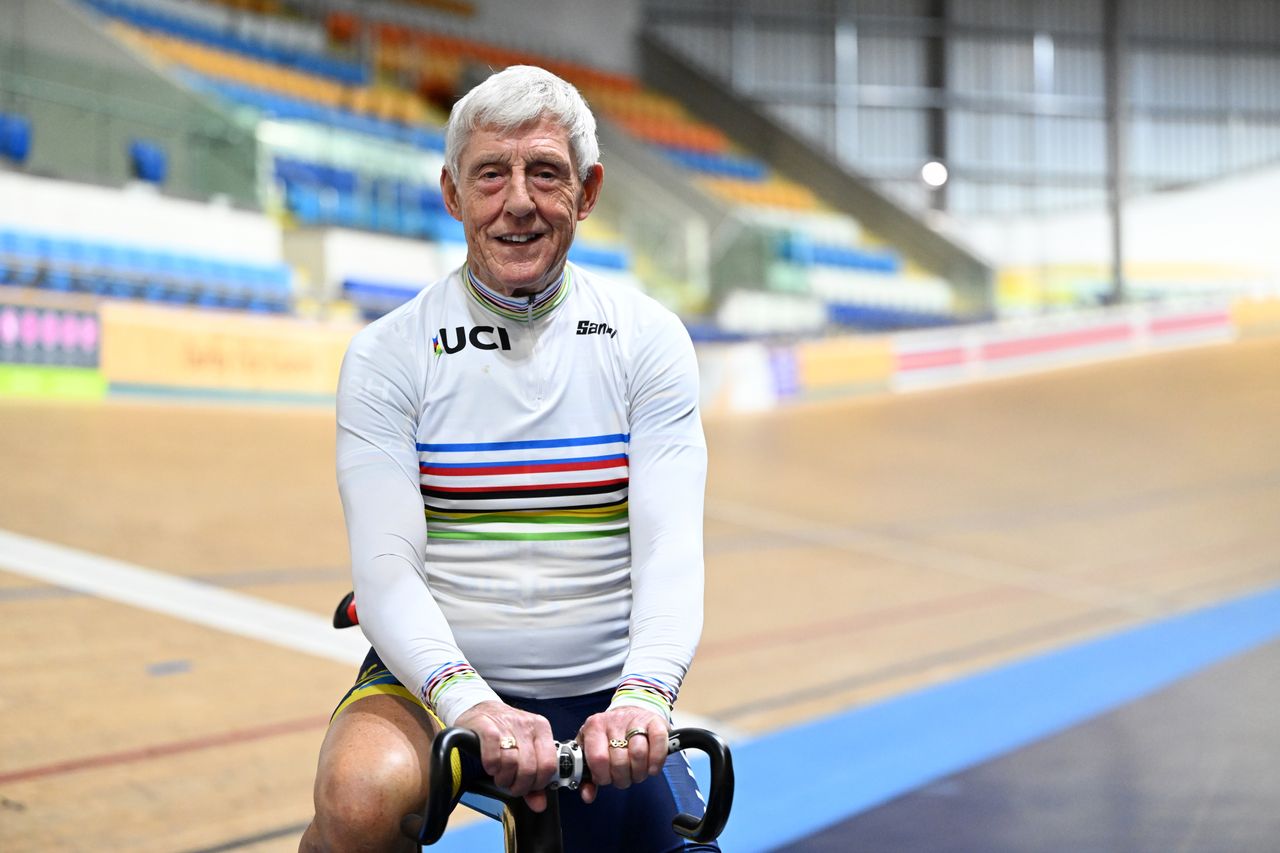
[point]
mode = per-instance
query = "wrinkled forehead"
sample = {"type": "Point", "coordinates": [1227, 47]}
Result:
{"type": "Point", "coordinates": [542, 137]}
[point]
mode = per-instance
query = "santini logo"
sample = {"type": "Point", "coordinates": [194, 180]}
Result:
{"type": "Point", "coordinates": [586, 327]}
{"type": "Point", "coordinates": [441, 345]}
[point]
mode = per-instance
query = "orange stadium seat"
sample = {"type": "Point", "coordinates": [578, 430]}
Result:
{"type": "Point", "coordinates": [418, 67]}
{"type": "Point", "coordinates": [386, 103]}
{"type": "Point", "coordinates": [342, 27]}
{"type": "Point", "coordinates": [457, 7]}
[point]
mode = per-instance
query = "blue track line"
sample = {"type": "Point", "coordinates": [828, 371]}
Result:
{"type": "Point", "coordinates": [798, 781]}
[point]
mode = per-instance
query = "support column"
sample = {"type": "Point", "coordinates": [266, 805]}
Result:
{"type": "Point", "coordinates": [935, 65]}
{"type": "Point", "coordinates": [845, 100]}
{"type": "Point", "coordinates": [1113, 38]}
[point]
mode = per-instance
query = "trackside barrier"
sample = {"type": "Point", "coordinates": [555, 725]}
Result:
{"type": "Point", "coordinates": [1256, 317]}
{"type": "Point", "coordinates": [120, 347]}
{"type": "Point", "coordinates": [756, 376]}
{"type": "Point", "coordinates": [49, 346]}
{"type": "Point", "coordinates": [160, 350]}
{"type": "Point", "coordinates": [932, 359]}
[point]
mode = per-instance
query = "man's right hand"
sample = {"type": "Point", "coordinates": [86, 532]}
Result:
{"type": "Point", "coordinates": [524, 769]}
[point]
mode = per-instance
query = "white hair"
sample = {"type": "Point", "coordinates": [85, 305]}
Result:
{"type": "Point", "coordinates": [516, 97]}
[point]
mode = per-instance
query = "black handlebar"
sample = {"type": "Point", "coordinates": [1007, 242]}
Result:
{"type": "Point", "coordinates": [720, 793]}
{"type": "Point", "coordinates": [426, 828]}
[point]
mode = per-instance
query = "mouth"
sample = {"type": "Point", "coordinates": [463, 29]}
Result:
{"type": "Point", "coordinates": [519, 239]}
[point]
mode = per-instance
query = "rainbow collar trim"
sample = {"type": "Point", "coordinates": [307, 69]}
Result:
{"type": "Point", "coordinates": [519, 307]}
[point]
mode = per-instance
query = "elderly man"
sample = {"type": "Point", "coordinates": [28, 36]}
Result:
{"type": "Point", "coordinates": [547, 423]}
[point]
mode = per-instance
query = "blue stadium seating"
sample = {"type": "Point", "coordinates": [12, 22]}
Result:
{"type": "Point", "coordinates": [799, 249]}
{"type": "Point", "coordinates": [350, 73]}
{"type": "Point", "coordinates": [604, 257]}
{"type": "Point", "coordinates": [15, 137]}
{"type": "Point", "coordinates": [723, 165]}
{"type": "Point", "coordinates": [319, 194]}
{"type": "Point", "coordinates": [109, 270]}
{"type": "Point", "coordinates": [148, 160]}
{"type": "Point", "coordinates": [883, 319]}
{"type": "Point", "coordinates": [373, 299]}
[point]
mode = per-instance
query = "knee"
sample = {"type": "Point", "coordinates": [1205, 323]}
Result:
{"type": "Point", "coordinates": [360, 801]}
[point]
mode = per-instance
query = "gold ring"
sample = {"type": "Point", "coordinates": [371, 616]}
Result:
{"type": "Point", "coordinates": [635, 732]}
{"type": "Point", "coordinates": [617, 743]}
{"type": "Point", "coordinates": [507, 742]}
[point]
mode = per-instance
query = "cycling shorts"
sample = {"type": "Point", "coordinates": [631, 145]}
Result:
{"type": "Point", "coordinates": [637, 820]}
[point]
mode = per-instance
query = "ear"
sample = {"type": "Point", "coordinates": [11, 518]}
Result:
{"type": "Point", "coordinates": [591, 191]}
{"type": "Point", "coordinates": [449, 190]}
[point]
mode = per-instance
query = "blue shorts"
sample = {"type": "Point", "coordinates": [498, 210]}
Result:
{"type": "Point", "coordinates": [637, 820]}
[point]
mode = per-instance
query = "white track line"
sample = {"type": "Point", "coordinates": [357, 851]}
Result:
{"type": "Point", "coordinates": [211, 606]}
{"type": "Point", "coordinates": [171, 595]}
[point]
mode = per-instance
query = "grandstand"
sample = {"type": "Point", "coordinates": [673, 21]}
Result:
{"type": "Point", "coordinates": [321, 117]}
{"type": "Point", "coordinates": [319, 127]}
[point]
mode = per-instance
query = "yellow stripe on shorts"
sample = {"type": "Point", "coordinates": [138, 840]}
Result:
{"type": "Point", "coordinates": [455, 759]}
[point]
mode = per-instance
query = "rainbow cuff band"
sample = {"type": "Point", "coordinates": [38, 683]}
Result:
{"type": "Point", "coordinates": [649, 690]}
{"type": "Point", "coordinates": [443, 678]}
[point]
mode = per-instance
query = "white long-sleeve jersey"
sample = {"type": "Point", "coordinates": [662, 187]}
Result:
{"type": "Point", "coordinates": [555, 446]}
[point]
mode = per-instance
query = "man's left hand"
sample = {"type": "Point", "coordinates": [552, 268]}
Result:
{"type": "Point", "coordinates": [643, 756]}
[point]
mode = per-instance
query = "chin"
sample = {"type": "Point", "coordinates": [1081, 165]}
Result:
{"type": "Point", "coordinates": [538, 273]}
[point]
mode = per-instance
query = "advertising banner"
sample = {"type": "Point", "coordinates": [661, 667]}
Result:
{"type": "Point", "coordinates": [163, 350]}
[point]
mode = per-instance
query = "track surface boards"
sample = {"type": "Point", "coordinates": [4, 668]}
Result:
{"type": "Point", "coordinates": [855, 551]}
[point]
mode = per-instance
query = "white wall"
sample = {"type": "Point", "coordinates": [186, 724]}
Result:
{"type": "Point", "coordinates": [597, 33]}
{"type": "Point", "coordinates": [329, 256]}
{"type": "Point", "coordinates": [137, 216]}
{"type": "Point", "coordinates": [1230, 224]}
{"type": "Point", "coordinates": [63, 27]}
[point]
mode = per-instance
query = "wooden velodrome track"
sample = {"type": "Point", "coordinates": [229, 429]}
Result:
{"type": "Point", "coordinates": [855, 550]}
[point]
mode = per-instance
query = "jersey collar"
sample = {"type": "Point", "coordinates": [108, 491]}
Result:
{"type": "Point", "coordinates": [518, 307]}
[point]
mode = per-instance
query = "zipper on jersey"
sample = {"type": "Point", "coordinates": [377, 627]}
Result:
{"type": "Point", "coordinates": [527, 546]}
{"type": "Point", "coordinates": [533, 350]}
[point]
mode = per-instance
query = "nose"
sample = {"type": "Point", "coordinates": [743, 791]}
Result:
{"type": "Point", "coordinates": [518, 203]}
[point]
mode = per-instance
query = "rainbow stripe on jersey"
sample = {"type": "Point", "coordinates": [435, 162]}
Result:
{"type": "Point", "coordinates": [521, 308]}
{"type": "Point", "coordinates": [530, 490]}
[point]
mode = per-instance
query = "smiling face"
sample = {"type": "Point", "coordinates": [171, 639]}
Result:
{"type": "Point", "coordinates": [519, 198]}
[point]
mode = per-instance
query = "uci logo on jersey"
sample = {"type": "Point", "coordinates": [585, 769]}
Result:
{"type": "Point", "coordinates": [586, 327]}
{"type": "Point", "coordinates": [441, 344]}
